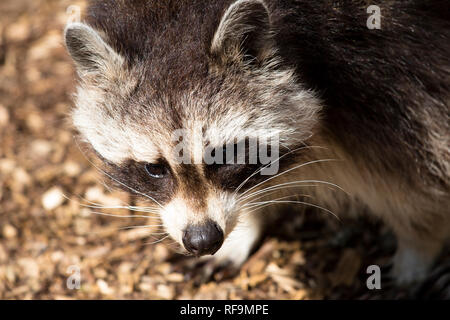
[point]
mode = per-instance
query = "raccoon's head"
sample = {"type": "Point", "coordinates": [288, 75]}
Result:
{"type": "Point", "coordinates": [192, 126]}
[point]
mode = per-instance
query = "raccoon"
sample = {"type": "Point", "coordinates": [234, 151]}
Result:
{"type": "Point", "coordinates": [361, 116]}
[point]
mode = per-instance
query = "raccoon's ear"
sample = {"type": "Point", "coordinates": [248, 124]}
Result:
{"type": "Point", "coordinates": [244, 33]}
{"type": "Point", "coordinates": [91, 54]}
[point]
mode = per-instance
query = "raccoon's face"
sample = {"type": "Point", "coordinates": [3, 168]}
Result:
{"type": "Point", "coordinates": [192, 148]}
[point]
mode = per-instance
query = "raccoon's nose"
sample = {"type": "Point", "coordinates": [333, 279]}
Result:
{"type": "Point", "coordinates": [203, 239]}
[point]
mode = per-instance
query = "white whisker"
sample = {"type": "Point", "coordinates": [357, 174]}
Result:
{"type": "Point", "coordinates": [286, 171]}
{"type": "Point", "coordinates": [256, 204]}
{"type": "Point", "coordinates": [123, 216]}
{"type": "Point", "coordinates": [292, 184]}
{"type": "Point", "coordinates": [274, 188]}
{"type": "Point", "coordinates": [305, 203]}
{"type": "Point", "coordinates": [263, 196]}
{"type": "Point", "coordinates": [158, 241]}
{"type": "Point", "coordinates": [269, 164]}
{"type": "Point", "coordinates": [100, 206]}
{"type": "Point", "coordinates": [144, 227]}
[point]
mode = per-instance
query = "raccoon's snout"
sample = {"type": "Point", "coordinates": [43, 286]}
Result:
{"type": "Point", "coordinates": [203, 239]}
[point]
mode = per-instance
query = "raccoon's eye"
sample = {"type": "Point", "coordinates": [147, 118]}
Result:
{"type": "Point", "coordinates": [156, 171]}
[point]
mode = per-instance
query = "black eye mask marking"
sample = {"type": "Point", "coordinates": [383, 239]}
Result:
{"type": "Point", "coordinates": [154, 180]}
{"type": "Point", "coordinates": [231, 173]}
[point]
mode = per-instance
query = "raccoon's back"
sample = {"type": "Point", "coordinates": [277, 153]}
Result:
{"type": "Point", "coordinates": [386, 91]}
